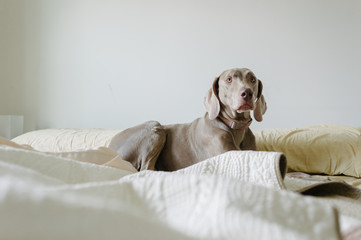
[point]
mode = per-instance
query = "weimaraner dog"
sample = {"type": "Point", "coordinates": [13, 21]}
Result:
{"type": "Point", "coordinates": [225, 127]}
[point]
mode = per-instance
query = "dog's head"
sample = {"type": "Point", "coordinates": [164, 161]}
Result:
{"type": "Point", "coordinates": [235, 93]}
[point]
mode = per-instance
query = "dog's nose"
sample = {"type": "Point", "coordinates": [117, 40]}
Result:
{"type": "Point", "coordinates": [247, 94]}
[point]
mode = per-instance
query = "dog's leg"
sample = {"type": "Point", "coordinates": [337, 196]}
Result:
{"type": "Point", "coordinates": [140, 145]}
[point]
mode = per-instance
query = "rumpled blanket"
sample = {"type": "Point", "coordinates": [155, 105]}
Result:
{"type": "Point", "coordinates": [237, 195]}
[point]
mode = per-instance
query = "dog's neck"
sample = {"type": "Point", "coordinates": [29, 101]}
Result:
{"type": "Point", "coordinates": [236, 125]}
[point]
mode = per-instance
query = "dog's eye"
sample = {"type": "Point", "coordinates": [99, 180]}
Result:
{"type": "Point", "coordinates": [229, 79]}
{"type": "Point", "coordinates": [253, 79]}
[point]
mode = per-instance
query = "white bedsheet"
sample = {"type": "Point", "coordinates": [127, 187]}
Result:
{"type": "Point", "coordinates": [45, 196]}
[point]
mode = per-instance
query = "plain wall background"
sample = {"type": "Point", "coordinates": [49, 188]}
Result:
{"type": "Point", "coordinates": [115, 64]}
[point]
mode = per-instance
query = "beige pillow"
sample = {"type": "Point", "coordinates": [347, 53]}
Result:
{"type": "Point", "coordinates": [327, 149]}
{"type": "Point", "coordinates": [67, 139]}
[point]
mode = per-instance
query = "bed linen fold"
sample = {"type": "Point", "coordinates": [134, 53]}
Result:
{"type": "Point", "coordinates": [262, 168]}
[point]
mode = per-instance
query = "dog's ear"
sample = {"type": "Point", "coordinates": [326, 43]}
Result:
{"type": "Point", "coordinates": [261, 105]}
{"type": "Point", "coordinates": [260, 89]}
{"type": "Point", "coordinates": [211, 101]}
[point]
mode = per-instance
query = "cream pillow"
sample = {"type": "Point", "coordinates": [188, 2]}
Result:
{"type": "Point", "coordinates": [326, 149]}
{"type": "Point", "coordinates": [67, 139]}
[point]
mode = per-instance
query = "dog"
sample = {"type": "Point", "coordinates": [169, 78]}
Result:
{"type": "Point", "coordinates": [224, 127]}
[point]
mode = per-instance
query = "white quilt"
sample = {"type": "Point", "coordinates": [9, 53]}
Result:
{"type": "Point", "coordinates": [237, 195]}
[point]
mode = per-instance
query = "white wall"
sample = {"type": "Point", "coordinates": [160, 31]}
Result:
{"type": "Point", "coordinates": [11, 57]}
{"type": "Point", "coordinates": [114, 64]}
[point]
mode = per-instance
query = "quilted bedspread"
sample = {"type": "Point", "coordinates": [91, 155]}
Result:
{"type": "Point", "coordinates": [236, 195]}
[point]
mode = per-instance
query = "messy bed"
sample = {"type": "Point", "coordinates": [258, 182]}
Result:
{"type": "Point", "coordinates": [66, 184]}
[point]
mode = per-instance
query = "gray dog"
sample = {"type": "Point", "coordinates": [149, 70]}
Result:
{"type": "Point", "coordinates": [225, 127]}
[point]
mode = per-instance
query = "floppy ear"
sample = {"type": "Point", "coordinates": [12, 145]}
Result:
{"type": "Point", "coordinates": [261, 105]}
{"type": "Point", "coordinates": [211, 101]}
{"type": "Point", "coordinates": [260, 89]}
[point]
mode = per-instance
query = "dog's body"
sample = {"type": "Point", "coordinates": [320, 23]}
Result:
{"type": "Point", "coordinates": [184, 146]}
{"type": "Point", "coordinates": [224, 127]}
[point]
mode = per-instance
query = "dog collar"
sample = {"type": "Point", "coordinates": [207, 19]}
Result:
{"type": "Point", "coordinates": [235, 125]}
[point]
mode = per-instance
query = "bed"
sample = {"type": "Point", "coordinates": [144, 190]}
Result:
{"type": "Point", "coordinates": [66, 184]}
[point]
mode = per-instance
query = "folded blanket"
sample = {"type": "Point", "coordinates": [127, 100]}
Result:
{"type": "Point", "coordinates": [262, 168]}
